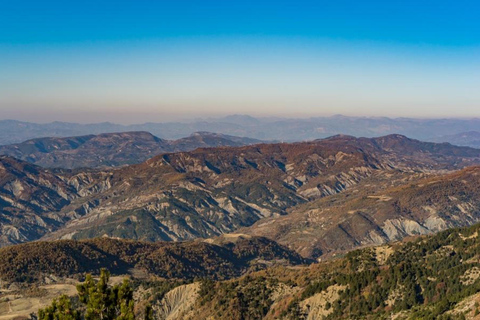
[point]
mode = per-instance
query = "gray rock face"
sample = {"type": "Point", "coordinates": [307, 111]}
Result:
{"type": "Point", "coordinates": [177, 303]}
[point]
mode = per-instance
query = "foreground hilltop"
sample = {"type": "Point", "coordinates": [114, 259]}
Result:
{"type": "Point", "coordinates": [429, 277]}
{"type": "Point", "coordinates": [207, 192]}
{"type": "Point", "coordinates": [434, 277]}
{"type": "Point", "coordinates": [111, 149]}
{"type": "Point", "coordinates": [217, 259]}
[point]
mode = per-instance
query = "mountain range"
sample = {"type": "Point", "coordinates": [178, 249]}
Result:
{"type": "Point", "coordinates": [238, 229]}
{"type": "Point", "coordinates": [305, 195]}
{"type": "Point", "coordinates": [276, 129]}
{"type": "Point", "coordinates": [111, 149]}
{"type": "Point", "coordinates": [470, 139]}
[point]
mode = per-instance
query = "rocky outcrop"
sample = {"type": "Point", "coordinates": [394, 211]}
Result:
{"type": "Point", "coordinates": [315, 307]}
{"type": "Point", "coordinates": [177, 303]}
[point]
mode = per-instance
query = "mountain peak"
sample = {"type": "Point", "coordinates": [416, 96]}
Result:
{"type": "Point", "coordinates": [241, 119]}
{"type": "Point", "coordinates": [204, 133]}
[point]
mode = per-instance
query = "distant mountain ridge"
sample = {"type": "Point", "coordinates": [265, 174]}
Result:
{"type": "Point", "coordinates": [111, 149]}
{"type": "Point", "coordinates": [469, 139]}
{"type": "Point", "coordinates": [277, 129]}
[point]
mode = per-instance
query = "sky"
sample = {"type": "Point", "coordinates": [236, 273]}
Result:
{"type": "Point", "coordinates": [139, 61]}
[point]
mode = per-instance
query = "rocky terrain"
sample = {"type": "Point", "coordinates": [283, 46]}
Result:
{"type": "Point", "coordinates": [427, 278]}
{"type": "Point", "coordinates": [111, 149]}
{"type": "Point", "coordinates": [235, 227]}
{"type": "Point", "coordinates": [200, 194]}
{"type": "Point", "coordinates": [30, 201]}
{"type": "Point", "coordinates": [382, 209]}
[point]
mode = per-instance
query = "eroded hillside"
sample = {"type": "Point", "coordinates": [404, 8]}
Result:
{"type": "Point", "coordinates": [380, 210]}
{"type": "Point", "coordinates": [207, 192]}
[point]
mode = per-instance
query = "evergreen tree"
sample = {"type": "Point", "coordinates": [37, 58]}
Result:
{"type": "Point", "coordinates": [101, 302]}
{"type": "Point", "coordinates": [60, 309]}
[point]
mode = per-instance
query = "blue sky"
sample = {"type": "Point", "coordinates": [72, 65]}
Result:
{"type": "Point", "coordinates": [135, 61]}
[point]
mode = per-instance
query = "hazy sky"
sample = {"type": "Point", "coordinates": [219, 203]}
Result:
{"type": "Point", "coordinates": [137, 61]}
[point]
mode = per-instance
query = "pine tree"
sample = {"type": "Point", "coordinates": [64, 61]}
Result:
{"type": "Point", "coordinates": [101, 302]}
{"type": "Point", "coordinates": [60, 309]}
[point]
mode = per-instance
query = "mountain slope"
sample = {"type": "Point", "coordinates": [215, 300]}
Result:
{"type": "Point", "coordinates": [207, 192]}
{"type": "Point", "coordinates": [30, 201]}
{"type": "Point", "coordinates": [380, 210]}
{"type": "Point", "coordinates": [203, 193]}
{"type": "Point", "coordinates": [430, 278]}
{"type": "Point", "coordinates": [208, 139]}
{"type": "Point", "coordinates": [111, 149]}
{"type": "Point", "coordinates": [402, 151]}
{"type": "Point", "coordinates": [32, 262]}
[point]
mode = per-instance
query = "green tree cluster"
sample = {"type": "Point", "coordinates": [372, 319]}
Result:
{"type": "Point", "coordinates": [98, 301]}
